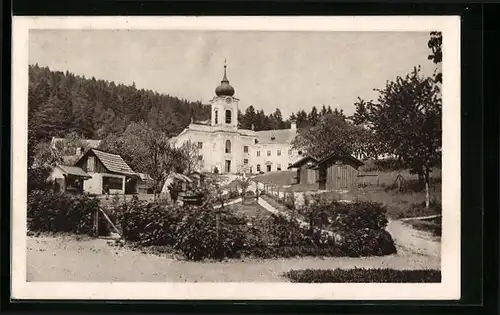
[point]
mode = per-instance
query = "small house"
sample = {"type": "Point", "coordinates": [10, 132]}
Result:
{"type": "Point", "coordinates": [65, 178]}
{"type": "Point", "coordinates": [337, 172]}
{"type": "Point", "coordinates": [109, 173]}
{"type": "Point", "coordinates": [306, 174]}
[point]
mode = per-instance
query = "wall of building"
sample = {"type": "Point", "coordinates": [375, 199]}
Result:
{"type": "Point", "coordinates": [94, 185]}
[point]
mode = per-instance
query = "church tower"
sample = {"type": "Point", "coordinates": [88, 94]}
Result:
{"type": "Point", "coordinates": [224, 105]}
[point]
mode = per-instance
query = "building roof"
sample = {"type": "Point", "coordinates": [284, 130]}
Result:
{"type": "Point", "coordinates": [113, 162]}
{"type": "Point", "coordinates": [278, 136]}
{"type": "Point", "coordinates": [303, 161]}
{"type": "Point", "coordinates": [73, 170]}
{"type": "Point", "coordinates": [352, 159]}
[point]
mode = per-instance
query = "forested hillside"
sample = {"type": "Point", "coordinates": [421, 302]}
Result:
{"type": "Point", "coordinates": [60, 103]}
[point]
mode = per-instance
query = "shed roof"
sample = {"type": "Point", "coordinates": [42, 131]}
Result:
{"type": "Point", "coordinates": [303, 161]}
{"type": "Point", "coordinates": [113, 162]}
{"type": "Point", "coordinates": [73, 170]}
{"type": "Point", "coordinates": [352, 159]}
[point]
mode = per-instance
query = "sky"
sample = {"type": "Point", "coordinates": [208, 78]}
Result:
{"type": "Point", "coordinates": [268, 69]}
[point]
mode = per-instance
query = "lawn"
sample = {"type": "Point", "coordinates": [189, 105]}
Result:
{"type": "Point", "coordinates": [281, 178]}
{"type": "Point", "coordinates": [251, 209]}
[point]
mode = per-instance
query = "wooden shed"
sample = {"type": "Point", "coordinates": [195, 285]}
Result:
{"type": "Point", "coordinates": [66, 178]}
{"type": "Point", "coordinates": [306, 174]}
{"type": "Point", "coordinates": [337, 172]}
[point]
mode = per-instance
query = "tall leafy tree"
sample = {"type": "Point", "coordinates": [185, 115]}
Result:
{"type": "Point", "coordinates": [407, 116]}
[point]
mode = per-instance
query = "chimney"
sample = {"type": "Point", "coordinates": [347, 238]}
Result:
{"type": "Point", "coordinates": [294, 125]}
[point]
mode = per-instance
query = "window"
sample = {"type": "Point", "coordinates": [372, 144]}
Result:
{"type": "Point", "coordinates": [268, 152]}
{"type": "Point", "coordinates": [200, 145]}
{"type": "Point", "coordinates": [273, 138]}
{"type": "Point", "coordinates": [228, 116]}
{"type": "Point", "coordinates": [268, 168]}
{"type": "Point", "coordinates": [256, 141]}
{"type": "Point", "coordinates": [278, 167]}
{"type": "Point", "coordinates": [258, 153]}
{"type": "Point", "coordinates": [112, 183]}
{"type": "Point", "coordinates": [245, 149]}
{"type": "Point", "coordinates": [278, 153]}
{"type": "Point", "coordinates": [290, 152]}
{"type": "Point", "coordinates": [258, 167]}
{"type": "Point", "coordinates": [245, 161]}
{"type": "Point", "coordinates": [200, 157]}
{"type": "Point", "coordinates": [228, 146]}
{"type": "Point", "coordinates": [91, 164]}
{"type": "Point", "coordinates": [289, 164]}
{"type": "Point", "coordinates": [216, 114]}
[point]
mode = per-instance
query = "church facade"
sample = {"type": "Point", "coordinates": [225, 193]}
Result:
{"type": "Point", "coordinates": [224, 148]}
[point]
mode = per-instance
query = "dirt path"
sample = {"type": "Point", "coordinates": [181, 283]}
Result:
{"type": "Point", "coordinates": [63, 258]}
{"type": "Point", "coordinates": [412, 240]}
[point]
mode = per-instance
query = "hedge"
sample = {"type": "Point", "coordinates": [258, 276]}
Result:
{"type": "Point", "coordinates": [59, 212]}
{"type": "Point", "coordinates": [361, 275]}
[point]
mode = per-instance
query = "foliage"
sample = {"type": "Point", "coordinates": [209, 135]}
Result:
{"type": "Point", "coordinates": [410, 101]}
{"type": "Point", "coordinates": [205, 232]}
{"type": "Point", "coordinates": [59, 212]}
{"type": "Point", "coordinates": [37, 178]}
{"type": "Point", "coordinates": [435, 44]}
{"type": "Point", "coordinates": [330, 134]}
{"type": "Point", "coordinates": [362, 275]}
{"type": "Point", "coordinates": [63, 102]}
{"type": "Point", "coordinates": [149, 223]}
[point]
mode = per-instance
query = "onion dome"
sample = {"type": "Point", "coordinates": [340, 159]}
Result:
{"type": "Point", "coordinates": [224, 89]}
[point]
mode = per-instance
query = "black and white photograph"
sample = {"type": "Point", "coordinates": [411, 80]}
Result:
{"type": "Point", "coordinates": [236, 157]}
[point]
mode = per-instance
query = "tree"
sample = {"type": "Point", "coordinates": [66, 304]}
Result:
{"type": "Point", "coordinates": [407, 116]}
{"type": "Point", "coordinates": [330, 135]}
{"type": "Point", "coordinates": [313, 116]}
{"type": "Point", "coordinates": [435, 45]}
{"type": "Point", "coordinates": [360, 116]}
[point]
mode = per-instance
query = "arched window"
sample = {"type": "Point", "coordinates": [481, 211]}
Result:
{"type": "Point", "coordinates": [228, 146]}
{"type": "Point", "coordinates": [228, 116]}
{"type": "Point", "coordinates": [216, 113]}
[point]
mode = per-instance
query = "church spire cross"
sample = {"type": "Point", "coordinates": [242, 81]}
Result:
{"type": "Point", "coordinates": [224, 79]}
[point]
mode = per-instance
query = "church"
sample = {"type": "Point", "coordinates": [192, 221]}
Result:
{"type": "Point", "coordinates": [225, 148]}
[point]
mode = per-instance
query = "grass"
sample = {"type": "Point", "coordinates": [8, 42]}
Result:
{"type": "Point", "coordinates": [432, 226]}
{"type": "Point", "coordinates": [361, 275]}
{"type": "Point", "coordinates": [281, 178]}
{"type": "Point", "coordinates": [250, 208]}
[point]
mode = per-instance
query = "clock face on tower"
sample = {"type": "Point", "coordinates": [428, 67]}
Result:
{"type": "Point", "coordinates": [228, 100]}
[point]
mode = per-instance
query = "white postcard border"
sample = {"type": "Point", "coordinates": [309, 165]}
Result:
{"type": "Point", "coordinates": [449, 288]}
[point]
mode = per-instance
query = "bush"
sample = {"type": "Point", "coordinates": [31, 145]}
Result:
{"type": "Point", "coordinates": [208, 233]}
{"type": "Point", "coordinates": [361, 275]}
{"type": "Point", "coordinates": [294, 251]}
{"type": "Point", "coordinates": [367, 242]}
{"type": "Point", "coordinates": [59, 212]}
{"type": "Point", "coordinates": [233, 194]}
{"type": "Point", "coordinates": [149, 223]}
{"type": "Point", "coordinates": [37, 178]}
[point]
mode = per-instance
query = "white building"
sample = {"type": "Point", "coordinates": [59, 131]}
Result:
{"type": "Point", "coordinates": [225, 148]}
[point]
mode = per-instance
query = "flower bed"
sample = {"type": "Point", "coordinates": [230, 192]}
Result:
{"type": "Point", "coordinates": [361, 275]}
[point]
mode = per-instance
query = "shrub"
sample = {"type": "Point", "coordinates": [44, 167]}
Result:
{"type": "Point", "coordinates": [356, 215]}
{"type": "Point", "coordinates": [233, 194]}
{"type": "Point", "coordinates": [149, 223]}
{"type": "Point", "coordinates": [367, 242]}
{"type": "Point", "coordinates": [209, 233]}
{"type": "Point", "coordinates": [59, 212]}
{"type": "Point", "coordinates": [37, 178]}
{"type": "Point", "coordinates": [361, 275]}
